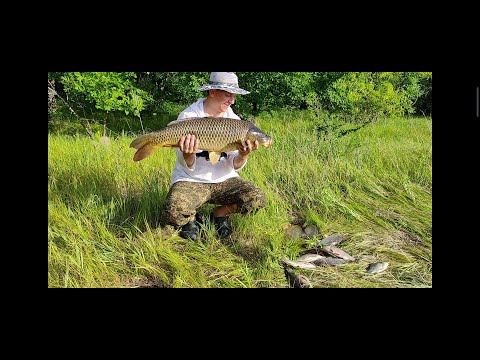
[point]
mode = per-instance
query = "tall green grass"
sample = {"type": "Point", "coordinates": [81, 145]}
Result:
{"type": "Point", "coordinates": [374, 185]}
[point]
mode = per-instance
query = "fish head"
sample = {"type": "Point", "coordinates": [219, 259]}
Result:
{"type": "Point", "coordinates": [263, 139]}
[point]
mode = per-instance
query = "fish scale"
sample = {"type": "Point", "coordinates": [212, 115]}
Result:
{"type": "Point", "coordinates": [215, 135]}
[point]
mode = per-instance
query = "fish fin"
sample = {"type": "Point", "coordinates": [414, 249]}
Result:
{"type": "Point", "coordinates": [175, 121]}
{"type": "Point", "coordinates": [145, 151]}
{"type": "Point", "coordinates": [140, 141]}
{"type": "Point", "coordinates": [214, 156]}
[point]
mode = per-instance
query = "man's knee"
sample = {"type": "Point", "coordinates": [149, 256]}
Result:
{"type": "Point", "coordinates": [253, 200]}
{"type": "Point", "coordinates": [178, 216]}
{"type": "Point", "coordinates": [180, 206]}
{"type": "Point", "coordinates": [182, 202]}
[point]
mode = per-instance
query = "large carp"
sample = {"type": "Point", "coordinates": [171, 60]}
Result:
{"type": "Point", "coordinates": [215, 135]}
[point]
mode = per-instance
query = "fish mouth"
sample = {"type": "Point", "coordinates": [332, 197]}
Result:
{"type": "Point", "coordinates": [268, 143]}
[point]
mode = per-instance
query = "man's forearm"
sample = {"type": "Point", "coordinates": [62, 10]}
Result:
{"type": "Point", "coordinates": [239, 161]}
{"type": "Point", "coordinates": [189, 159]}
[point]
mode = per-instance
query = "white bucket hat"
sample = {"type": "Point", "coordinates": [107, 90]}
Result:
{"type": "Point", "coordinates": [227, 81]}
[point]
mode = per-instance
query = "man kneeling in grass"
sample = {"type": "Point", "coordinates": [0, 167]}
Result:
{"type": "Point", "coordinates": [195, 181]}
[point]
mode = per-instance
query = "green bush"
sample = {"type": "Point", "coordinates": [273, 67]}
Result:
{"type": "Point", "coordinates": [109, 91]}
{"type": "Point", "coordinates": [352, 96]}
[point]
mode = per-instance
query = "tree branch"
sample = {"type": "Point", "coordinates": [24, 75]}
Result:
{"type": "Point", "coordinates": [87, 128]}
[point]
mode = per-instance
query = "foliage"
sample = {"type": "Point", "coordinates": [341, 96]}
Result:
{"type": "Point", "coordinates": [350, 93]}
{"type": "Point", "coordinates": [423, 104]}
{"type": "Point", "coordinates": [274, 90]}
{"type": "Point", "coordinates": [52, 101]}
{"type": "Point", "coordinates": [347, 96]}
{"type": "Point", "coordinates": [177, 87]}
{"type": "Point", "coordinates": [364, 96]}
{"type": "Point", "coordinates": [109, 91]}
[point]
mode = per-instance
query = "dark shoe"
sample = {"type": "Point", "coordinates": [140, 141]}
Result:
{"type": "Point", "coordinates": [222, 225]}
{"type": "Point", "coordinates": [190, 231]}
{"type": "Point", "coordinates": [199, 219]}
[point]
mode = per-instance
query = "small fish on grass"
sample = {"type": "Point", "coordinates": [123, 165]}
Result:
{"type": "Point", "coordinates": [320, 260]}
{"type": "Point", "coordinates": [333, 240]}
{"type": "Point", "coordinates": [376, 267]}
{"type": "Point", "coordinates": [215, 135]}
{"type": "Point", "coordinates": [309, 258]}
{"type": "Point", "coordinates": [337, 252]}
{"type": "Point", "coordinates": [329, 261]}
{"type": "Point", "coordinates": [295, 280]}
{"type": "Point", "coordinates": [299, 264]}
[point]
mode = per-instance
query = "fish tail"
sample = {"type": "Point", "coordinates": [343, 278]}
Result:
{"type": "Point", "coordinates": [144, 147]}
{"type": "Point", "coordinates": [140, 141]}
{"type": "Point", "coordinates": [144, 152]}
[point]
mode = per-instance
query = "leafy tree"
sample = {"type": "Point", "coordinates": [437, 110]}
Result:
{"type": "Point", "coordinates": [353, 96]}
{"type": "Point", "coordinates": [273, 90]}
{"type": "Point", "coordinates": [109, 91]}
{"type": "Point", "coordinates": [363, 96]}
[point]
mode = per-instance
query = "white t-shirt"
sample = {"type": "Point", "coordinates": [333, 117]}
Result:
{"type": "Point", "coordinates": [203, 170]}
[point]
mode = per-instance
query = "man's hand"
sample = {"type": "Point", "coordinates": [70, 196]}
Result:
{"type": "Point", "coordinates": [244, 149]}
{"type": "Point", "coordinates": [188, 146]}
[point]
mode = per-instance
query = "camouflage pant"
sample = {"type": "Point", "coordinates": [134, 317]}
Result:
{"type": "Point", "coordinates": [185, 197]}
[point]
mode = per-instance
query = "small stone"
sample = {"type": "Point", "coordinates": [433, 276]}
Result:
{"type": "Point", "coordinates": [295, 232]}
{"type": "Point", "coordinates": [311, 231]}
